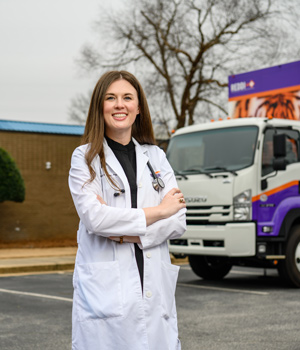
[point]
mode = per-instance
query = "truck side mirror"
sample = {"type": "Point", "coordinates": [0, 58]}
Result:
{"type": "Point", "coordinates": [279, 145]}
{"type": "Point", "coordinates": [279, 163]}
{"type": "Point", "coordinates": [279, 151]}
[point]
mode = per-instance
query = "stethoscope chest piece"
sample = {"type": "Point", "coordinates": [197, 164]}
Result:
{"type": "Point", "coordinates": [157, 183]}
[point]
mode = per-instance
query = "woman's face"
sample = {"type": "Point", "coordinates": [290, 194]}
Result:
{"type": "Point", "coordinates": [120, 108]}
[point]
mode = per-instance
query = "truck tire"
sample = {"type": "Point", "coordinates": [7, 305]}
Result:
{"type": "Point", "coordinates": [289, 268]}
{"type": "Point", "coordinates": [210, 267]}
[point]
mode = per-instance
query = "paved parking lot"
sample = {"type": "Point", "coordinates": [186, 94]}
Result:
{"type": "Point", "coordinates": [246, 310]}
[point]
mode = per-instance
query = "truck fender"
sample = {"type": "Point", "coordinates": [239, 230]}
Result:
{"type": "Point", "coordinates": [291, 219]}
{"type": "Point", "coordinates": [281, 218]}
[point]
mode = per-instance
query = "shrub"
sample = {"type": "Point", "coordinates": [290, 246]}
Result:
{"type": "Point", "coordinates": [12, 186]}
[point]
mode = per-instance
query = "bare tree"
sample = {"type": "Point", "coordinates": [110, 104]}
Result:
{"type": "Point", "coordinates": [183, 50]}
{"type": "Point", "coordinates": [79, 107]}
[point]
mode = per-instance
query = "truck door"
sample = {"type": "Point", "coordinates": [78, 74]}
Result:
{"type": "Point", "coordinates": [277, 187]}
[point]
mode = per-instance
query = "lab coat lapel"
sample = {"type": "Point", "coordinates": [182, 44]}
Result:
{"type": "Point", "coordinates": [141, 160]}
{"type": "Point", "coordinates": [114, 164]}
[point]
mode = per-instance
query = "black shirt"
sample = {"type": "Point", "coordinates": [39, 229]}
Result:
{"type": "Point", "coordinates": [127, 158]}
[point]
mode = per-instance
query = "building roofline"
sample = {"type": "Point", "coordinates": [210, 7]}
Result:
{"type": "Point", "coordinates": [41, 128]}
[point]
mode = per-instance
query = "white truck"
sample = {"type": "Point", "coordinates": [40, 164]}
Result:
{"type": "Point", "coordinates": [241, 182]}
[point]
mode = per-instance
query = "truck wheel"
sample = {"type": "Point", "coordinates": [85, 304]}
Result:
{"type": "Point", "coordinates": [210, 267]}
{"type": "Point", "coordinates": [289, 268]}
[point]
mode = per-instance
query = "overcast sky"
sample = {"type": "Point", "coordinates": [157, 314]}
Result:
{"type": "Point", "coordinates": [39, 41]}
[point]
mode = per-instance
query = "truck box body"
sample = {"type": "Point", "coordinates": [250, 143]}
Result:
{"type": "Point", "coordinates": [272, 92]}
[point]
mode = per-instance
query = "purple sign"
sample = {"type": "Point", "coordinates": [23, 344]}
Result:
{"type": "Point", "coordinates": [273, 78]}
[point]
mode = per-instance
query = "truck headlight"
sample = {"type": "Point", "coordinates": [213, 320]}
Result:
{"type": "Point", "coordinates": [242, 204]}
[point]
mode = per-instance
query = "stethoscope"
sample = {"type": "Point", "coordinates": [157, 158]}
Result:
{"type": "Point", "coordinates": [157, 182]}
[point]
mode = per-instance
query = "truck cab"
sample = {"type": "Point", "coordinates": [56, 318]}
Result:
{"type": "Point", "coordinates": [240, 179]}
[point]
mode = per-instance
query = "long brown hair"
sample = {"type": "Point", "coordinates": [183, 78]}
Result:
{"type": "Point", "coordinates": [94, 131]}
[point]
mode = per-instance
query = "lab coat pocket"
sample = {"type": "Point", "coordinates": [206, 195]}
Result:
{"type": "Point", "coordinates": [99, 290]}
{"type": "Point", "coordinates": [169, 275]}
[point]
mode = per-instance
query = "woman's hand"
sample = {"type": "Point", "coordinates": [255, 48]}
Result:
{"type": "Point", "coordinates": [172, 202]}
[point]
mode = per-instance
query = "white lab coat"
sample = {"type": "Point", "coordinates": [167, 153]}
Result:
{"type": "Point", "coordinates": [110, 311]}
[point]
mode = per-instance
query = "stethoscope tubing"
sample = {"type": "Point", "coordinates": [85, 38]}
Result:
{"type": "Point", "coordinates": [157, 182]}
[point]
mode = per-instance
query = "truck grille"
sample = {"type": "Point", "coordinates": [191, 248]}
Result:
{"type": "Point", "coordinates": [197, 215]}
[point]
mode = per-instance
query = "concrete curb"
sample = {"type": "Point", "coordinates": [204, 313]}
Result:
{"type": "Point", "coordinates": [35, 268]}
{"type": "Point", "coordinates": [36, 260]}
{"type": "Point", "coordinates": [13, 261]}
{"type": "Point", "coordinates": [19, 253]}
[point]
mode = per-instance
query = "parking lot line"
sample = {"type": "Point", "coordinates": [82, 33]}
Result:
{"type": "Point", "coordinates": [237, 272]}
{"type": "Point", "coordinates": [35, 295]}
{"type": "Point", "coordinates": [229, 290]}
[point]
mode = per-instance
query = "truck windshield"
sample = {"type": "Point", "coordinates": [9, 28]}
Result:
{"type": "Point", "coordinates": [217, 150]}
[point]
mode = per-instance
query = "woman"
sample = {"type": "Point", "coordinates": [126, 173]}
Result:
{"type": "Point", "coordinates": [124, 284]}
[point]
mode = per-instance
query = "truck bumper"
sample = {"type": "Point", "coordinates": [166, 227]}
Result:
{"type": "Point", "coordinates": [232, 240]}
